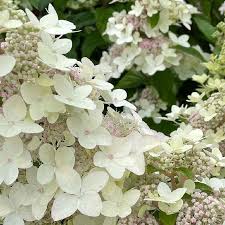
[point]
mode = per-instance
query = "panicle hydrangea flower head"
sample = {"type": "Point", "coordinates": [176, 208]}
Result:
{"type": "Point", "coordinates": [57, 127]}
{"type": "Point", "coordinates": [147, 46]}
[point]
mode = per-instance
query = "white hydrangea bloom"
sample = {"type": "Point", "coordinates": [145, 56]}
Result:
{"type": "Point", "coordinates": [7, 63]}
{"type": "Point", "coordinates": [12, 207]}
{"type": "Point", "coordinates": [112, 158]}
{"type": "Point", "coordinates": [145, 31]}
{"type": "Point", "coordinates": [6, 22]}
{"type": "Point", "coordinates": [57, 164]}
{"type": "Point", "coordinates": [164, 194]}
{"type": "Point", "coordinates": [41, 194]}
{"type": "Point", "coordinates": [87, 128]}
{"type": "Point", "coordinates": [85, 197]}
{"type": "Point", "coordinates": [92, 75]}
{"type": "Point", "coordinates": [13, 157]}
{"type": "Point", "coordinates": [125, 153]}
{"type": "Point", "coordinates": [50, 23]}
{"type": "Point", "coordinates": [215, 183]}
{"type": "Point", "coordinates": [118, 28]}
{"type": "Point", "coordinates": [222, 8]}
{"type": "Point", "coordinates": [118, 203]}
{"type": "Point", "coordinates": [77, 97]}
{"type": "Point", "coordinates": [118, 97]}
{"type": "Point", "coordinates": [51, 52]}
{"type": "Point", "coordinates": [41, 100]}
{"type": "Point", "coordinates": [13, 121]}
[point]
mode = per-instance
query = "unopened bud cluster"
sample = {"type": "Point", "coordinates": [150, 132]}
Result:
{"type": "Point", "coordinates": [204, 209]}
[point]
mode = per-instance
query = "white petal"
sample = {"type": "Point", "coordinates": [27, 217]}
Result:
{"type": "Point", "coordinates": [65, 157]}
{"type": "Point", "coordinates": [101, 84]}
{"type": "Point", "coordinates": [68, 180]}
{"type": "Point", "coordinates": [49, 20]}
{"type": "Point", "coordinates": [14, 108]}
{"type": "Point", "coordinates": [46, 55]}
{"type": "Point", "coordinates": [13, 24]}
{"type": "Point", "coordinates": [177, 194]}
{"type": "Point", "coordinates": [5, 206]}
{"type": "Point", "coordinates": [116, 171]}
{"type": "Point", "coordinates": [33, 19]}
{"type": "Point", "coordinates": [26, 213]}
{"type": "Point", "coordinates": [24, 161]}
{"type": "Point", "coordinates": [83, 91]}
{"type": "Point", "coordinates": [66, 24]}
{"type": "Point", "coordinates": [17, 194]}
{"type": "Point", "coordinates": [13, 147]}
{"type": "Point", "coordinates": [94, 181]}
{"type": "Point", "coordinates": [64, 206]}
{"type": "Point", "coordinates": [38, 210]}
{"type": "Point", "coordinates": [47, 154]}
{"type": "Point", "coordinates": [124, 210]}
{"type": "Point", "coordinates": [90, 204]}
{"type": "Point", "coordinates": [63, 86]}
{"type": "Point", "coordinates": [102, 136]}
{"type": "Point", "coordinates": [87, 141]}
{"type": "Point", "coordinates": [119, 95]}
{"type": "Point", "coordinates": [163, 189]}
{"type": "Point", "coordinates": [13, 219]}
{"type": "Point", "coordinates": [138, 166]}
{"type": "Point", "coordinates": [31, 92]}
{"type": "Point", "coordinates": [31, 175]}
{"type": "Point", "coordinates": [62, 46]}
{"type": "Point", "coordinates": [109, 209]}
{"type": "Point", "coordinates": [34, 143]}
{"type": "Point", "coordinates": [11, 173]}
{"type": "Point", "coordinates": [45, 174]}
{"type": "Point", "coordinates": [100, 159]}
{"type": "Point", "coordinates": [29, 127]}
{"type": "Point", "coordinates": [131, 197]}
{"type": "Point", "coordinates": [7, 64]}
{"type": "Point", "coordinates": [58, 30]}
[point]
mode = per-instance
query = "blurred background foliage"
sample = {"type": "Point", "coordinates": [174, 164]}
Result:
{"type": "Point", "coordinates": [90, 17]}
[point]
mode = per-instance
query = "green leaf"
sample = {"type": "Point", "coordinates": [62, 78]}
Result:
{"type": "Point", "coordinates": [151, 169]}
{"type": "Point", "coordinates": [164, 126]}
{"type": "Point", "coordinates": [40, 4]}
{"type": "Point", "coordinates": [190, 51]}
{"type": "Point", "coordinates": [60, 5]}
{"type": "Point", "coordinates": [206, 6]}
{"type": "Point", "coordinates": [205, 27]}
{"type": "Point", "coordinates": [131, 79]}
{"type": "Point", "coordinates": [82, 19]}
{"type": "Point", "coordinates": [91, 42]}
{"type": "Point", "coordinates": [102, 15]}
{"type": "Point", "coordinates": [154, 20]}
{"type": "Point", "coordinates": [203, 187]}
{"type": "Point", "coordinates": [186, 172]}
{"type": "Point", "coordinates": [167, 219]}
{"type": "Point", "coordinates": [166, 84]}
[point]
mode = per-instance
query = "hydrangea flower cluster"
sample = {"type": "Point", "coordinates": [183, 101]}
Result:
{"type": "Point", "coordinates": [63, 145]}
{"type": "Point", "coordinates": [142, 38]}
{"type": "Point", "coordinates": [70, 154]}
{"type": "Point", "coordinates": [148, 103]}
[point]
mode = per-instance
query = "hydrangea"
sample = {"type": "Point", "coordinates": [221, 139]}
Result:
{"type": "Point", "coordinates": [73, 149]}
{"type": "Point", "coordinates": [60, 119]}
{"type": "Point", "coordinates": [149, 103]}
{"type": "Point", "coordinates": [142, 38]}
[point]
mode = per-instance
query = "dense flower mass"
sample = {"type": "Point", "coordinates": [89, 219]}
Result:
{"type": "Point", "coordinates": [73, 149]}
{"type": "Point", "coordinates": [61, 139]}
{"type": "Point", "coordinates": [142, 39]}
